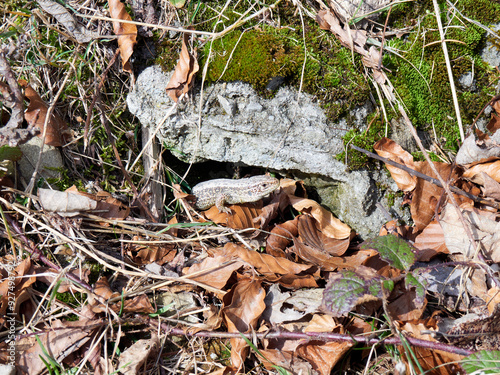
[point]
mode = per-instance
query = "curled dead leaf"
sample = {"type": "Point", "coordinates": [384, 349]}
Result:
{"type": "Point", "coordinates": [127, 32]}
{"type": "Point", "coordinates": [328, 224]}
{"type": "Point", "coordinates": [264, 263]}
{"type": "Point", "coordinates": [184, 72]}
{"type": "Point", "coordinates": [281, 237]}
{"type": "Point", "coordinates": [243, 306]}
{"type": "Point", "coordinates": [311, 236]}
{"type": "Point", "coordinates": [214, 271]}
{"type": "Point", "coordinates": [242, 216]}
{"type": "Point", "coordinates": [57, 133]}
{"type": "Point", "coordinates": [437, 361]}
{"type": "Point", "coordinates": [389, 149]}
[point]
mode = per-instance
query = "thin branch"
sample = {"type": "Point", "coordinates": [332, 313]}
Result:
{"type": "Point", "coordinates": [427, 178]}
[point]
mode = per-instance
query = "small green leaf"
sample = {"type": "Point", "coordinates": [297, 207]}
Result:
{"type": "Point", "coordinates": [394, 250]}
{"type": "Point", "coordinates": [347, 289]}
{"type": "Point", "coordinates": [10, 153]}
{"type": "Point", "coordinates": [482, 362]}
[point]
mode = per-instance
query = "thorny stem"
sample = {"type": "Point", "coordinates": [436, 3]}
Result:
{"type": "Point", "coordinates": [319, 336]}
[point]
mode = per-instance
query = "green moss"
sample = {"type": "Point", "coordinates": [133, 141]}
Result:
{"type": "Point", "coordinates": [484, 11]}
{"type": "Point", "coordinates": [421, 78]}
{"type": "Point", "coordinates": [364, 139]}
{"type": "Point", "coordinates": [419, 156]}
{"type": "Point", "coordinates": [254, 57]}
{"type": "Point", "coordinates": [65, 181]}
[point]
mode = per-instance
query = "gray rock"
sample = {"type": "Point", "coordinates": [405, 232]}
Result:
{"type": "Point", "coordinates": [491, 53]}
{"type": "Point", "coordinates": [51, 160]}
{"type": "Point", "coordinates": [467, 81]}
{"type": "Point", "coordinates": [288, 133]}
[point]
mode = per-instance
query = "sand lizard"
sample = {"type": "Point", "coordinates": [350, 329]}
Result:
{"type": "Point", "coordinates": [220, 191]}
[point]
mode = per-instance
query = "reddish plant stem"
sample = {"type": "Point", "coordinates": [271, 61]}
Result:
{"type": "Point", "coordinates": [319, 336]}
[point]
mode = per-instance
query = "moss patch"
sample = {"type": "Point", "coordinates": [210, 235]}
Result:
{"type": "Point", "coordinates": [420, 77]}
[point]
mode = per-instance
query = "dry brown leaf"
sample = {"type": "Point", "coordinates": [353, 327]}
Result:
{"type": "Point", "coordinates": [491, 188]}
{"type": "Point", "coordinates": [102, 289]}
{"type": "Point", "coordinates": [352, 39]}
{"type": "Point", "coordinates": [264, 263]}
{"type": "Point", "coordinates": [404, 307]}
{"type": "Point", "coordinates": [290, 306]}
{"type": "Point", "coordinates": [494, 299]}
{"type": "Point", "coordinates": [106, 206]}
{"type": "Point", "coordinates": [127, 32]}
{"type": "Point", "coordinates": [397, 229]}
{"type": "Point", "coordinates": [60, 340]}
{"type": "Point", "coordinates": [214, 271]}
{"type": "Point", "coordinates": [110, 208]}
{"type": "Point", "coordinates": [492, 169]}
{"type": "Point", "coordinates": [430, 242]}
{"type": "Point", "coordinates": [327, 262]}
{"type": "Point", "coordinates": [389, 149]}
{"type": "Point", "coordinates": [426, 195]}
{"type": "Point", "coordinates": [21, 283]}
{"type": "Point", "coordinates": [436, 361]}
{"type": "Point", "coordinates": [292, 187]}
{"type": "Point", "coordinates": [57, 133]}
{"type": "Point", "coordinates": [146, 254]}
{"type": "Point", "coordinates": [271, 210]}
{"type": "Point", "coordinates": [311, 236]}
{"type": "Point", "coordinates": [484, 227]}
{"type": "Point", "coordinates": [285, 359]}
{"type": "Point", "coordinates": [494, 123]}
{"type": "Point", "coordinates": [328, 224]}
{"type": "Point", "coordinates": [323, 356]}
{"type": "Point", "coordinates": [322, 323]}
{"type": "Point", "coordinates": [184, 72]}
{"type": "Point", "coordinates": [355, 40]}
{"type": "Point", "coordinates": [292, 281]}
{"type": "Point", "coordinates": [138, 304]}
{"type": "Point", "coordinates": [241, 217]}
{"type": "Point", "coordinates": [59, 12]}
{"type": "Point", "coordinates": [243, 306]}
{"type": "Point", "coordinates": [479, 150]}
{"type": "Point", "coordinates": [133, 358]}
{"type": "Point", "coordinates": [281, 237]}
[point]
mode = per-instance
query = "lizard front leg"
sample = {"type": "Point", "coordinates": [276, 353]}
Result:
{"type": "Point", "coordinates": [220, 202]}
